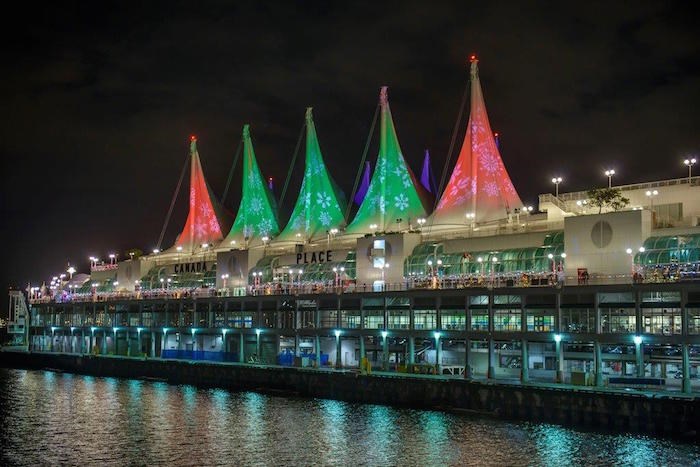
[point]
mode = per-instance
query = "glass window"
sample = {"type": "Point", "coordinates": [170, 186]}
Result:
{"type": "Point", "coordinates": [693, 320]}
{"type": "Point", "coordinates": [480, 320]}
{"type": "Point", "coordinates": [425, 319]}
{"type": "Point", "coordinates": [578, 319]}
{"type": "Point", "coordinates": [540, 321]}
{"type": "Point", "coordinates": [507, 320]}
{"type": "Point", "coordinates": [618, 320]}
{"type": "Point", "coordinates": [374, 319]}
{"type": "Point", "coordinates": [666, 321]}
{"type": "Point", "coordinates": [399, 319]}
{"type": "Point", "coordinates": [453, 320]}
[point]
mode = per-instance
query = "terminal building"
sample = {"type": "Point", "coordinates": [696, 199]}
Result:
{"type": "Point", "coordinates": [468, 282]}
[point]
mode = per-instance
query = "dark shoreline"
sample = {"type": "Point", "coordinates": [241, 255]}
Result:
{"type": "Point", "coordinates": [660, 415]}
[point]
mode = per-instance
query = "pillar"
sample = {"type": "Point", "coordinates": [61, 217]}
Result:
{"type": "Point", "coordinates": [525, 362]}
{"type": "Point", "coordinates": [598, 357]}
{"type": "Point", "coordinates": [491, 372]}
{"type": "Point", "coordinates": [363, 353]}
{"type": "Point", "coordinates": [241, 348]}
{"type": "Point", "coordinates": [338, 361]}
{"type": "Point", "coordinates": [104, 342]}
{"type": "Point", "coordinates": [163, 342]}
{"type": "Point", "coordinates": [686, 369]}
{"type": "Point", "coordinates": [385, 353]}
{"type": "Point", "coordinates": [560, 362]}
{"type": "Point", "coordinates": [317, 349]}
{"type": "Point", "coordinates": [467, 352]}
{"type": "Point", "coordinates": [639, 359]}
{"type": "Point", "coordinates": [296, 345]}
{"type": "Point", "coordinates": [411, 350]}
{"type": "Point", "coordinates": [139, 343]}
{"type": "Point", "coordinates": [438, 356]}
{"type": "Point", "coordinates": [127, 334]}
{"type": "Point", "coordinates": [153, 344]}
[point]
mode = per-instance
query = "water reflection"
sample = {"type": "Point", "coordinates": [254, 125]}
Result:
{"type": "Point", "coordinates": [53, 419]}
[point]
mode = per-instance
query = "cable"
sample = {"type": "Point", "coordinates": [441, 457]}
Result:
{"type": "Point", "coordinates": [362, 164]}
{"type": "Point", "coordinates": [172, 203]}
{"type": "Point", "coordinates": [291, 166]}
{"type": "Point", "coordinates": [230, 172]}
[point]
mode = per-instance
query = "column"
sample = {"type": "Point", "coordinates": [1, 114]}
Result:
{"type": "Point", "coordinates": [525, 363]}
{"type": "Point", "coordinates": [104, 342]}
{"type": "Point", "coordinates": [491, 372]}
{"type": "Point", "coordinates": [467, 352]}
{"type": "Point", "coordinates": [363, 354]}
{"type": "Point", "coordinates": [385, 353]}
{"type": "Point", "coordinates": [241, 348]}
{"type": "Point", "coordinates": [153, 344]}
{"type": "Point", "coordinates": [127, 334]}
{"type": "Point", "coordinates": [639, 360]}
{"type": "Point", "coordinates": [296, 345]}
{"type": "Point", "coordinates": [411, 350]}
{"type": "Point", "coordinates": [139, 349]}
{"type": "Point", "coordinates": [163, 342]}
{"type": "Point", "coordinates": [338, 361]}
{"type": "Point", "coordinates": [598, 358]}
{"type": "Point", "coordinates": [438, 355]}
{"type": "Point", "coordinates": [317, 344]}
{"type": "Point", "coordinates": [560, 361]}
{"type": "Point", "coordinates": [686, 369]}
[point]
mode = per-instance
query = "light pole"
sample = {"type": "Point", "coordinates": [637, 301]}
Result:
{"type": "Point", "coordinates": [527, 210]}
{"type": "Point", "coordinates": [651, 194]}
{"type": "Point", "coordinates": [690, 163]}
{"type": "Point", "coordinates": [471, 218]}
{"type": "Point", "coordinates": [556, 181]}
{"type": "Point", "coordinates": [609, 173]}
{"type": "Point", "coordinates": [224, 277]}
{"type": "Point", "coordinates": [373, 228]}
{"type": "Point", "coordinates": [421, 222]}
{"type": "Point", "coordinates": [70, 271]}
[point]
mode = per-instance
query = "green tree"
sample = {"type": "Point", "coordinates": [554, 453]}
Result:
{"type": "Point", "coordinates": [134, 253]}
{"type": "Point", "coordinates": [607, 197]}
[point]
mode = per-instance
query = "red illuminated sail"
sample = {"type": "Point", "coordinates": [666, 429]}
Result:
{"type": "Point", "coordinates": [480, 183]}
{"type": "Point", "coordinates": [204, 221]}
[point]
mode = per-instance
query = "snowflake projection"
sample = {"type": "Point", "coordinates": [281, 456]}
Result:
{"type": "Point", "coordinates": [398, 171]}
{"type": "Point", "coordinates": [406, 180]}
{"type": "Point", "coordinates": [490, 162]}
{"type": "Point", "coordinates": [265, 226]}
{"type": "Point", "coordinates": [491, 189]}
{"type": "Point", "coordinates": [307, 200]}
{"type": "Point", "coordinates": [381, 203]}
{"type": "Point", "coordinates": [252, 177]}
{"type": "Point", "coordinates": [256, 205]}
{"type": "Point", "coordinates": [323, 199]}
{"type": "Point", "coordinates": [325, 219]}
{"type": "Point", "coordinates": [401, 202]}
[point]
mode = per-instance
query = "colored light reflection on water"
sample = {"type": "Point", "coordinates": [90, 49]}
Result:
{"type": "Point", "coordinates": [60, 419]}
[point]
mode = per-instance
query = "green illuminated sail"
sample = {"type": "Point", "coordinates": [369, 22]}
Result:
{"type": "Point", "coordinates": [321, 204]}
{"type": "Point", "coordinates": [394, 199]}
{"type": "Point", "coordinates": [257, 213]}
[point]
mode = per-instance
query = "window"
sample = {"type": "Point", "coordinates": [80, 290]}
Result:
{"type": "Point", "coordinates": [665, 321]}
{"type": "Point", "coordinates": [480, 320]}
{"type": "Point", "coordinates": [578, 319]}
{"type": "Point", "coordinates": [399, 319]}
{"type": "Point", "coordinates": [540, 321]}
{"type": "Point", "coordinates": [425, 319]}
{"type": "Point", "coordinates": [453, 320]}
{"type": "Point", "coordinates": [374, 319]}
{"type": "Point", "coordinates": [507, 320]}
{"type": "Point", "coordinates": [618, 320]}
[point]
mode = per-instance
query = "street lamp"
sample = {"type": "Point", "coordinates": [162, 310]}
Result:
{"type": "Point", "coordinates": [556, 181]}
{"type": "Point", "coordinates": [421, 222]}
{"type": "Point", "coordinates": [471, 217]}
{"type": "Point", "coordinates": [224, 277]}
{"type": "Point", "coordinates": [651, 194]}
{"type": "Point", "coordinates": [690, 163]}
{"type": "Point", "coordinates": [373, 228]}
{"type": "Point", "coordinates": [609, 173]}
{"type": "Point", "coordinates": [70, 271]}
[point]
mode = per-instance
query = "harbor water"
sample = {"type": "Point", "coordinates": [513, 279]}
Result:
{"type": "Point", "coordinates": [49, 418]}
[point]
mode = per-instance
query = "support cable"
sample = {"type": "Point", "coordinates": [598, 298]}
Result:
{"type": "Point", "coordinates": [291, 166]}
{"type": "Point", "coordinates": [172, 202]}
{"type": "Point", "coordinates": [230, 172]}
{"type": "Point", "coordinates": [448, 160]}
{"type": "Point", "coordinates": [362, 164]}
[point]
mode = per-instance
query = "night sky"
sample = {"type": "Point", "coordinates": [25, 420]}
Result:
{"type": "Point", "coordinates": [99, 101]}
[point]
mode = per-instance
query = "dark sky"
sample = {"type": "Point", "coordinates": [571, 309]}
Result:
{"type": "Point", "coordinates": [99, 100]}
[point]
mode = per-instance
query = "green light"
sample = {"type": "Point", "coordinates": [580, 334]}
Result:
{"type": "Point", "coordinates": [337, 333]}
{"type": "Point", "coordinates": [384, 334]}
{"type": "Point", "coordinates": [437, 335]}
{"type": "Point", "coordinates": [557, 338]}
{"type": "Point", "coordinates": [257, 332]}
{"type": "Point", "coordinates": [637, 340]}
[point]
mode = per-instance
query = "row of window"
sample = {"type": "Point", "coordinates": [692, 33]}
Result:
{"type": "Point", "coordinates": [664, 321]}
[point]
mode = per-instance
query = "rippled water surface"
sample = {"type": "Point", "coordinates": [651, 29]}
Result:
{"type": "Point", "coordinates": [51, 418]}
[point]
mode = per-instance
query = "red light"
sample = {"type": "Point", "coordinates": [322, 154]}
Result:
{"type": "Point", "coordinates": [496, 134]}
{"type": "Point", "coordinates": [473, 57]}
{"type": "Point", "coordinates": [270, 179]}
{"type": "Point", "coordinates": [193, 138]}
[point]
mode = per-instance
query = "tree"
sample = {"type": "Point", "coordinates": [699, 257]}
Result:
{"type": "Point", "coordinates": [134, 253]}
{"type": "Point", "coordinates": [607, 197]}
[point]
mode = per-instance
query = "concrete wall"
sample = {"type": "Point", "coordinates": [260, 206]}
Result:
{"type": "Point", "coordinates": [397, 247]}
{"type": "Point", "coordinates": [598, 242]}
{"type": "Point", "coordinates": [662, 415]}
